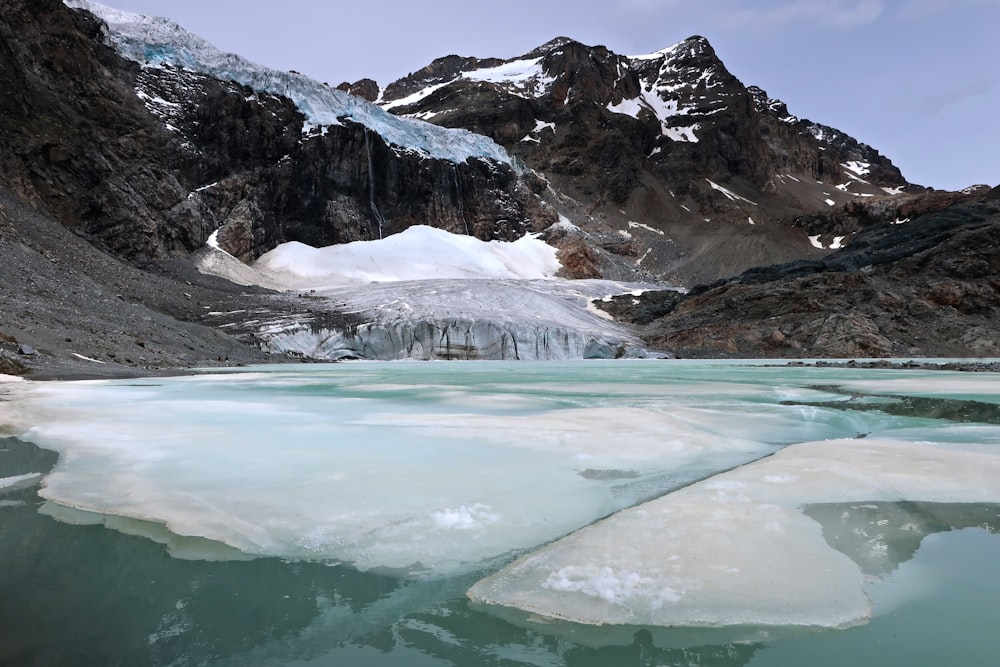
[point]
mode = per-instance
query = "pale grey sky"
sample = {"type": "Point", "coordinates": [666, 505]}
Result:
{"type": "Point", "coordinates": [915, 79]}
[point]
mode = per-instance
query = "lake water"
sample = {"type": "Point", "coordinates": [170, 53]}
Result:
{"type": "Point", "coordinates": [338, 514]}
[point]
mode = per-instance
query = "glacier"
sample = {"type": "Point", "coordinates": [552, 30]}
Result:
{"type": "Point", "coordinates": [158, 42]}
{"type": "Point", "coordinates": [428, 294]}
{"type": "Point", "coordinates": [526, 320]}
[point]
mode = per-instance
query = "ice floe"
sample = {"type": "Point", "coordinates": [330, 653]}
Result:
{"type": "Point", "coordinates": [737, 549]}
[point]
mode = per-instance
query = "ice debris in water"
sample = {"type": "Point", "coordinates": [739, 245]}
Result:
{"type": "Point", "coordinates": [381, 466]}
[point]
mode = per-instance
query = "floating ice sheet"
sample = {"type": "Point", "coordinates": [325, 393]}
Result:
{"type": "Point", "coordinates": [405, 467]}
{"type": "Point", "coordinates": [736, 549]}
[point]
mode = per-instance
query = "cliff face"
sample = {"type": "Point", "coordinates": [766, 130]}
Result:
{"type": "Point", "coordinates": [150, 161]}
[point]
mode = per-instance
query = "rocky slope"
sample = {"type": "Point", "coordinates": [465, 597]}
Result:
{"type": "Point", "coordinates": [924, 288]}
{"type": "Point", "coordinates": [70, 310]}
{"type": "Point", "coordinates": [666, 160]}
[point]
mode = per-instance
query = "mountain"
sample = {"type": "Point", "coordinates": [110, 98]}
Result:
{"type": "Point", "coordinates": [147, 177]}
{"type": "Point", "coordinates": [666, 159]}
{"type": "Point", "coordinates": [180, 141]}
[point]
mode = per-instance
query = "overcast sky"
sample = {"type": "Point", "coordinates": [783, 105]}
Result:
{"type": "Point", "coordinates": [916, 79]}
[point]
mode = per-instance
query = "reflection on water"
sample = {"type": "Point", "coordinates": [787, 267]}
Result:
{"type": "Point", "coordinates": [83, 595]}
{"type": "Point", "coordinates": [879, 536]}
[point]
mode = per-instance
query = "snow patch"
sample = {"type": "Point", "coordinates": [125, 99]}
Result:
{"type": "Point", "coordinates": [682, 133]}
{"type": "Point", "coordinates": [729, 194]}
{"type": "Point", "coordinates": [857, 167]}
{"type": "Point", "coordinates": [525, 78]}
{"type": "Point", "coordinates": [639, 225]}
{"type": "Point", "coordinates": [80, 356]}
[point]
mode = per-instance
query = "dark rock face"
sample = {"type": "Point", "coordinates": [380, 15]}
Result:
{"type": "Point", "coordinates": [924, 288]}
{"type": "Point", "coordinates": [714, 172]}
{"type": "Point", "coordinates": [366, 89]}
{"type": "Point", "coordinates": [74, 132]}
{"type": "Point", "coordinates": [150, 162]}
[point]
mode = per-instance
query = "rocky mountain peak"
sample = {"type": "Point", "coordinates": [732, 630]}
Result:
{"type": "Point", "coordinates": [549, 46]}
{"type": "Point", "coordinates": [440, 71]}
{"type": "Point", "coordinates": [666, 146]}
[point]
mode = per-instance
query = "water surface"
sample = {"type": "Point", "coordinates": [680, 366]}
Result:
{"type": "Point", "coordinates": [337, 475]}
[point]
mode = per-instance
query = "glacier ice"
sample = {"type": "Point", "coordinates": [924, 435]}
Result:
{"type": "Point", "coordinates": [156, 42]}
{"type": "Point", "coordinates": [417, 253]}
{"type": "Point", "coordinates": [463, 319]}
{"type": "Point", "coordinates": [428, 294]}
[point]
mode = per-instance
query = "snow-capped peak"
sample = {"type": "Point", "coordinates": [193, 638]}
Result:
{"type": "Point", "coordinates": [157, 42]}
{"type": "Point", "coordinates": [693, 45]}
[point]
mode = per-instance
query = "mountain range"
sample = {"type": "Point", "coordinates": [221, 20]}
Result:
{"type": "Point", "coordinates": [135, 153]}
